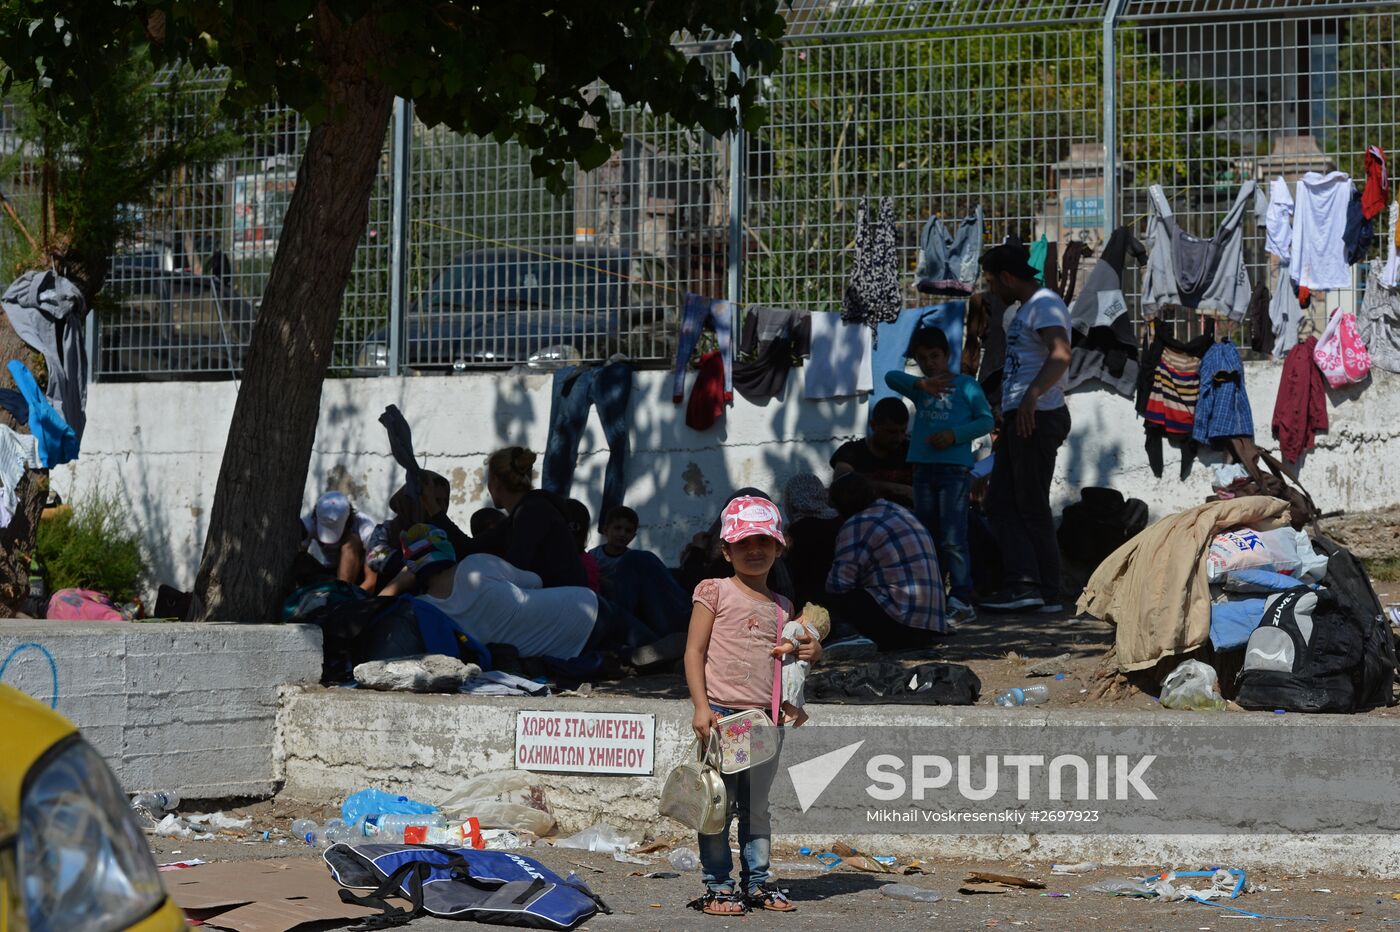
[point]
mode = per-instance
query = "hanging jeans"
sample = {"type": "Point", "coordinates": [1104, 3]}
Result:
{"type": "Point", "coordinates": [892, 342]}
{"type": "Point", "coordinates": [941, 495]}
{"type": "Point", "coordinates": [1018, 503]}
{"type": "Point", "coordinates": [696, 312]}
{"type": "Point", "coordinates": [575, 390]}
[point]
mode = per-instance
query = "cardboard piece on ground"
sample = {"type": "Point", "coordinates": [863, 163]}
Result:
{"type": "Point", "coordinates": [984, 882]}
{"type": "Point", "coordinates": [274, 895]}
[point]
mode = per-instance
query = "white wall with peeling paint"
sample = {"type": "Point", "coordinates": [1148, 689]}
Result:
{"type": "Point", "coordinates": [159, 446]}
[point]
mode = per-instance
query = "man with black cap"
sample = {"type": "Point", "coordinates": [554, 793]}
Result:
{"type": "Point", "coordinates": [1035, 423]}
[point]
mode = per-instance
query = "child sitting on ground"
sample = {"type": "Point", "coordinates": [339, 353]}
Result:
{"type": "Point", "coordinates": [816, 623]}
{"type": "Point", "coordinates": [619, 530]}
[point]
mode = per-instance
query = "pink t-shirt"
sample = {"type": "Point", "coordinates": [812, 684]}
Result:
{"type": "Point", "coordinates": [738, 664]}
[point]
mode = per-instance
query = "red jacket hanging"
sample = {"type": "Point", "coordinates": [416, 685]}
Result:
{"type": "Point", "coordinates": [1376, 195]}
{"type": "Point", "coordinates": [707, 394]}
{"type": "Point", "coordinates": [1300, 410]}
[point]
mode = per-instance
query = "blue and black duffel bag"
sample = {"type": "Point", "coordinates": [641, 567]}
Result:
{"type": "Point", "coordinates": [459, 883]}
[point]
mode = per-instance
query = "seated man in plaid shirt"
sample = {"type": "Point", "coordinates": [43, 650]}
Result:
{"type": "Point", "coordinates": [884, 581]}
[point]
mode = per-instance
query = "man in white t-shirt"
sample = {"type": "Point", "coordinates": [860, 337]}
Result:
{"type": "Point", "coordinates": [337, 537]}
{"type": "Point", "coordinates": [1035, 422]}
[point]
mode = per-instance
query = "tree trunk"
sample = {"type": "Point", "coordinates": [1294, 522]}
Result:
{"type": "Point", "coordinates": [17, 539]}
{"type": "Point", "coordinates": [253, 526]}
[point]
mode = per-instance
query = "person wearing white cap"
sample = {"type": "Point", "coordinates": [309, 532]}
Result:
{"type": "Point", "coordinates": [337, 536]}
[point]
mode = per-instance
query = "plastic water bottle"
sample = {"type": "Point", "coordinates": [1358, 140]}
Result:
{"type": "Point", "coordinates": [388, 829]}
{"type": "Point", "coordinates": [306, 830]}
{"type": "Point", "coordinates": [334, 832]}
{"type": "Point", "coordinates": [1031, 695]}
{"type": "Point", "coordinates": [683, 859]}
{"type": "Point", "coordinates": [156, 803]}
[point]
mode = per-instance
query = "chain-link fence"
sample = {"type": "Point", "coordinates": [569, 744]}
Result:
{"type": "Point", "coordinates": [1055, 117]}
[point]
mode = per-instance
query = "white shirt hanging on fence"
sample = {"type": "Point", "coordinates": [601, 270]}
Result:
{"type": "Point", "coordinates": [839, 365]}
{"type": "Point", "coordinates": [1319, 257]}
{"type": "Point", "coordinates": [1278, 220]}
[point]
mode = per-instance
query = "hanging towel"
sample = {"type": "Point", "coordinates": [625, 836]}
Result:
{"type": "Point", "coordinates": [1319, 221]}
{"type": "Point", "coordinates": [1207, 275]}
{"type": "Point", "coordinates": [47, 312]}
{"type": "Point", "coordinates": [1300, 410]}
{"type": "Point", "coordinates": [948, 262]}
{"type": "Point", "coordinates": [873, 294]}
{"type": "Point", "coordinates": [1377, 192]}
{"type": "Point", "coordinates": [1222, 408]}
{"type": "Point", "coordinates": [1039, 250]}
{"type": "Point", "coordinates": [1378, 322]}
{"type": "Point", "coordinates": [58, 444]}
{"type": "Point", "coordinates": [840, 362]}
{"type": "Point", "coordinates": [892, 341]}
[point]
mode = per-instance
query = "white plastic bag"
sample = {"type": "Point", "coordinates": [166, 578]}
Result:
{"type": "Point", "coordinates": [1192, 685]}
{"type": "Point", "coordinates": [511, 799]}
{"type": "Point", "coordinates": [1248, 549]}
{"type": "Point", "coordinates": [599, 837]}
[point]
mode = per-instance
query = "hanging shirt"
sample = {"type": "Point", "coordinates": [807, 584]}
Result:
{"type": "Point", "coordinates": [1319, 223]}
{"type": "Point", "coordinates": [1278, 220]}
{"type": "Point", "coordinates": [1378, 322]}
{"type": "Point", "coordinates": [1026, 350]}
{"type": "Point", "coordinates": [1203, 274]}
{"type": "Point", "coordinates": [1222, 408]}
{"type": "Point", "coordinates": [1390, 275]}
{"type": "Point", "coordinates": [840, 362]}
{"type": "Point", "coordinates": [1300, 410]}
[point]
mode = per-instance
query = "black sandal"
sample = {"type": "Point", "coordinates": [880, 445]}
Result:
{"type": "Point", "coordinates": [770, 898]}
{"type": "Point", "coordinates": [707, 903]}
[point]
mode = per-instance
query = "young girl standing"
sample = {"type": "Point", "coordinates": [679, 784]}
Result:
{"type": "Point", "coordinates": [734, 627]}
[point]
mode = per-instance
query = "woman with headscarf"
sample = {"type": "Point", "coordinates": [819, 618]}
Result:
{"type": "Point", "coordinates": [497, 603]}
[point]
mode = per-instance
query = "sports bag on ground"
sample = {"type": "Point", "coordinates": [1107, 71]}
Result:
{"type": "Point", "coordinates": [1346, 579]}
{"type": "Point", "coordinates": [460, 883]}
{"type": "Point", "coordinates": [1305, 656]}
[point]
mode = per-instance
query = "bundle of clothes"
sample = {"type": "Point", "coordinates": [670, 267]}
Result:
{"type": "Point", "coordinates": [1251, 584]}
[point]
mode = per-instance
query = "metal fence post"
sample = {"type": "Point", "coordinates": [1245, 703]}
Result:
{"type": "Point", "coordinates": [734, 258]}
{"type": "Point", "coordinates": [1110, 117]}
{"type": "Point", "coordinates": [398, 227]}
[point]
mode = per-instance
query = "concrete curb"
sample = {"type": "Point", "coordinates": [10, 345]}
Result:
{"type": "Point", "coordinates": [338, 741]}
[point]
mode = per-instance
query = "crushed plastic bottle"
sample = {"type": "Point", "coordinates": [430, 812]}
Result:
{"type": "Point", "coordinates": [156, 803]}
{"type": "Point", "coordinates": [306, 830]}
{"type": "Point", "coordinates": [907, 891]}
{"type": "Point", "coordinates": [683, 859]}
{"type": "Point", "coordinates": [1031, 695]}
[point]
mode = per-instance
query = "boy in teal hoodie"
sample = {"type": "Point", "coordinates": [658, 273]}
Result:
{"type": "Point", "coordinates": [950, 412]}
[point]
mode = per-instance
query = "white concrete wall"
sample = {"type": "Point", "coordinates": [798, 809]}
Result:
{"type": "Point", "coordinates": [159, 445]}
{"type": "Point", "coordinates": [184, 707]}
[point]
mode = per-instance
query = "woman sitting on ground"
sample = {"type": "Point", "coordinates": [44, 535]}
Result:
{"type": "Point", "coordinates": [497, 603]}
{"type": "Point", "coordinates": [535, 536]}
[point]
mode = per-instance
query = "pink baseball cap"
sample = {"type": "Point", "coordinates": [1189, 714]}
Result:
{"type": "Point", "coordinates": [749, 515]}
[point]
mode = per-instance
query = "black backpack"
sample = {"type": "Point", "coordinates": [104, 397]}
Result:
{"type": "Point", "coordinates": [1346, 579]}
{"type": "Point", "coordinates": [1305, 655]}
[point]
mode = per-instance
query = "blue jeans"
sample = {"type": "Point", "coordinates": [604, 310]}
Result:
{"type": "Point", "coordinates": [642, 585]}
{"type": "Point", "coordinates": [941, 493]}
{"type": "Point", "coordinates": [575, 391]}
{"type": "Point", "coordinates": [747, 794]}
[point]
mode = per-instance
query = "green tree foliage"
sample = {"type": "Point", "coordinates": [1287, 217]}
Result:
{"type": "Point", "coordinates": [941, 122]}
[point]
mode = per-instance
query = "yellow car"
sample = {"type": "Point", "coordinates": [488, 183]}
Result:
{"type": "Point", "coordinates": [72, 856]}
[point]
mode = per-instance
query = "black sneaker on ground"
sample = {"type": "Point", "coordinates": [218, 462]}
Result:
{"type": "Point", "coordinates": [1012, 600]}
